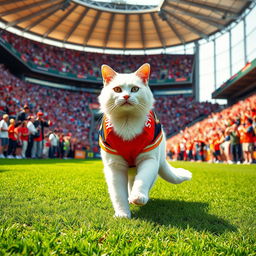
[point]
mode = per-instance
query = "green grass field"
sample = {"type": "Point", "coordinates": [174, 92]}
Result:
{"type": "Point", "coordinates": [61, 207]}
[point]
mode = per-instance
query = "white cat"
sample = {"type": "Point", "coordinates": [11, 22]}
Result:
{"type": "Point", "coordinates": [130, 136]}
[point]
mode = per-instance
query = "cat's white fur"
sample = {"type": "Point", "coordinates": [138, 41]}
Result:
{"type": "Point", "coordinates": [126, 186]}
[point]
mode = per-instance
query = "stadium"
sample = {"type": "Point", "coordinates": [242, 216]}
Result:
{"type": "Point", "coordinates": [53, 195]}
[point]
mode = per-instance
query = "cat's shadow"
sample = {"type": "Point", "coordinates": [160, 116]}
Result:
{"type": "Point", "coordinates": [182, 214]}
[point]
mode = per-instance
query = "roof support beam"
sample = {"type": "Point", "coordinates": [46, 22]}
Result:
{"type": "Point", "coordinates": [26, 7]}
{"type": "Point", "coordinates": [33, 15]}
{"type": "Point", "coordinates": [207, 19]}
{"type": "Point", "coordinates": [78, 21]}
{"type": "Point", "coordinates": [59, 22]}
{"type": "Point", "coordinates": [92, 27]}
{"type": "Point", "coordinates": [110, 24]}
{"type": "Point", "coordinates": [185, 24]}
{"type": "Point", "coordinates": [142, 31]}
{"type": "Point", "coordinates": [5, 2]}
{"type": "Point", "coordinates": [203, 5]}
{"type": "Point", "coordinates": [126, 23]}
{"type": "Point", "coordinates": [157, 27]}
{"type": "Point", "coordinates": [38, 21]}
{"type": "Point", "coordinates": [176, 32]}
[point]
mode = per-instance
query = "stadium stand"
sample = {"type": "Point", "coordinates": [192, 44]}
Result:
{"type": "Point", "coordinates": [69, 111]}
{"type": "Point", "coordinates": [85, 63]}
{"type": "Point", "coordinates": [176, 112]}
{"type": "Point", "coordinates": [225, 136]}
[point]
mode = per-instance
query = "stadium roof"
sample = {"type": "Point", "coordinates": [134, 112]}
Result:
{"type": "Point", "coordinates": [120, 24]}
{"type": "Point", "coordinates": [240, 84]}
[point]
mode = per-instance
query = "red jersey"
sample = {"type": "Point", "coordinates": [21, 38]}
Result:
{"type": "Point", "coordinates": [11, 133]}
{"type": "Point", "coordinates": [216, 144]}
{"type": "Point", "coordinates": [40, 138]}
{"type": "Point", "coordinates": [149, 139]}
{"type": "Point", "coordinates": [190, 145]}
{"type": "Point", "coordinates": [23, 133]}
{"type": "Point", "coordinates": [249, 134]}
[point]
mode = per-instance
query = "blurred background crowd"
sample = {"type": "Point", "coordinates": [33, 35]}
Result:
{"type": "Point", "coordinates": [38, 121]}
{"type": "Point", "coordinates": [226, 136]}
{"type": "Point", "coordinates": [70, 116]}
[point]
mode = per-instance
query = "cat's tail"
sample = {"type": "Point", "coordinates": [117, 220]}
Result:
{"type": "Point", "coordinates": [173, 175]}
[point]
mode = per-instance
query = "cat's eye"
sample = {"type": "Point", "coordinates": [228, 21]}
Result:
{"type": "Point", "coordinates": [135, 89]}
{"type": "Point", "coordinates": [117, 89]}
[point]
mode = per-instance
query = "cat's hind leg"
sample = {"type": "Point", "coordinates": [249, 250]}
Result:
{"type": "Point", "coordinates": [147, 171]}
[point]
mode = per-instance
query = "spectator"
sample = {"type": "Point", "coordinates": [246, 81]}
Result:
{"type": "Point", "coordinates": [24, 138]}
{"type": "Point", "coordinates": [54, 141]}
{"type": "Point", "coordinates": [248, 145]}
{"type": "Point", "coordinates": [38, 142]}
{"type": "Point", "coordinates": [4, 136]}
{"type": "Point", "coordinates": [61, 150]}
{"type": "Point", "coordinates": [227, 146]}
{"type": "Point", "coordinates": [46, 146]}
{"type": "Point", "coordinates": [13, 137]}
{"type": "Point", "coordinates": [66, 146]}
{"type": "Point", "coordinates": [32, 131]}
{"type": "Point", "coordinates": [23, 115]}
{"type": "Point", "coordinates": [236, 149]}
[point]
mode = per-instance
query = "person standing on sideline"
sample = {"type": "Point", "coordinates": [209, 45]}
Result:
{"type": "Point", "coordinates": [248, 141]}
{"type": "Point", "coordinates": [32, 131]}
{"type": "Point", "coordinates": [38, 142]}
{"type": "Point", "coordinates": [13, 137]}
{"type": "Point", "coordinates": [23, 115]}
{"type": "Point", "coordinates": [4, 135]}
{"type": "Point", "coordinates": [236, 149]}
{"type": "Point", "coordinates": [24, 135]}
{"type": "Point", "coordinates": [54, 141]}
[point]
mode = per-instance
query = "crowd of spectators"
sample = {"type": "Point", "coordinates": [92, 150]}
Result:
{"type": "Point", "coordinates": [175, 112]}
{"type": "Point", "coordinates": [66, 111]}
{"type": "Point", "coordinates": [85, 64]}
{"type": "Point", "coordinates": [227, 136]}
{"type": "Point", "coordinates": [40, 121]}
{"type": "Point", "coordinates": [67, 115]}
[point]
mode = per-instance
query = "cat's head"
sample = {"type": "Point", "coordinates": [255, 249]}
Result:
{"type": "Point", "coordinates": [126, 93]}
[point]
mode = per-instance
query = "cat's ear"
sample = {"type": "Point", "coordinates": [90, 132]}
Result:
{"type": "Point", "coordinates": [107, 73]}
{"type": "Point", "coordinates": [143, 72]}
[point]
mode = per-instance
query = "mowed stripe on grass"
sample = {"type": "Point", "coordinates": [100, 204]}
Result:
{"type": "Point", "coordinates": [62, 207]}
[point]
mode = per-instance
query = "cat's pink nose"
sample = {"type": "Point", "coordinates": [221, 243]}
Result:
{"type": "Point", "coordinates": [126, 97]}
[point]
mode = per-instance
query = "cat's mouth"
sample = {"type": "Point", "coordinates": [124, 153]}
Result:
{"type": "Point", "coordinates": [126, 103]}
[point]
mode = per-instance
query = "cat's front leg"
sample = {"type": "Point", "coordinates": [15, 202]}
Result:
{"type": "Point", "coordinates": [131, 177]}
{"type": "Point", "coordinates": [117, 180]}
{"type": "Point", "coordinates": [147, 171]}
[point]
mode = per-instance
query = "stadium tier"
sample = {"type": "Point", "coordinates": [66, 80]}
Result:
{"type": "Point", "coordinates": [165, 68]}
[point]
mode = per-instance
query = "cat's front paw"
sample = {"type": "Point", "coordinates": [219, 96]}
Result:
{"type": "Point", "coordinates": [122, 215]}
{"type": "Point", "coordinates": [138, 199]}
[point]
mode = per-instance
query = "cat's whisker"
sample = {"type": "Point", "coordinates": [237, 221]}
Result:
{"type": "Point", "coordinates": [142, 107]}
{"type": "Point", "coordinates": [111, 107]}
